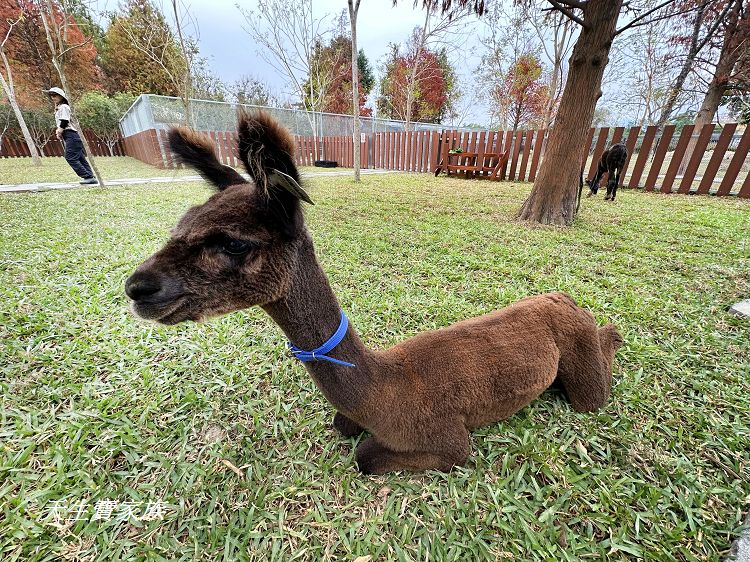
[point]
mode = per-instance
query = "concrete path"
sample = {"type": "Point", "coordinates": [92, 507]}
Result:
{"type": "Point", "coordinates": [740, 551]}
{"type": "Point", "coordinates": [741, 309]}
{"type": "Point", "coordinates": [49, 186]}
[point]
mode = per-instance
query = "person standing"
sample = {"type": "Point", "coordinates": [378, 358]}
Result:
{"type": "Point", "coordinates": [74, 152]}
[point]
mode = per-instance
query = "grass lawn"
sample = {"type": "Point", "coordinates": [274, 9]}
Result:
{"type": "Point", "coordinates": [56, 169]}
{"type": "Point", "coordinates": [220, 423]}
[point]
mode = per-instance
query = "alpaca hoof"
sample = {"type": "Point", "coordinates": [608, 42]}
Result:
{"type": "Point", "coordinates": [589, 194]}
{"type": "Point", "coordinates": [368, 457]}
{"type": "Point", "coordinates": [606, 197]}
{"type": "Point", "coordinates": [345, 426]}
{"type": "Point", "coordinates": [366, 467]}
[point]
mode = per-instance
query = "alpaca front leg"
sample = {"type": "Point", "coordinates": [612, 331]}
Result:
{"type": "Point", "coordinates": [593, 187]}
{"type": "Point", "coordinates": [345, 426]}
{"type": "Point", "coordinates": [611, 186]}
{"type": "Point", "coordinates": [374, 458]}
{"type": "Point", "coordinates": [614, 186]}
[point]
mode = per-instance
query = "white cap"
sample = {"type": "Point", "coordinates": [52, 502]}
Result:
{"type": "Point", "coordinates": [56, 90]}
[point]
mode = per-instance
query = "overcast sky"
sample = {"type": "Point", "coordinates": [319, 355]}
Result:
{"type": "Point", "coordinates": [232, 52]}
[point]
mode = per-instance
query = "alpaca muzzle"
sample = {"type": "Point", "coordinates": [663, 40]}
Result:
{"type": "Point", "coordinates": [155, 296]}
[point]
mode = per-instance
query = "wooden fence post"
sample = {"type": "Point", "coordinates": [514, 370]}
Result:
{"type": "Point", "coordinates": [736, 164]}
{"type": "Point", "coordinates": [718, 155]}
{"type": "Point", "coordinates": [677, 155]}
{"type": "Point", "coordinates": [695, 158]}
{"type": "Point", "coordinates": [661, 151]}
{"type": "Point", "coordinates": [645, 149]}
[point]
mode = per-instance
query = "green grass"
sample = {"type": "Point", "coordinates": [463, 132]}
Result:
{"type": "Point", "coordinates": [97, 405]}
{"type": "Point", "coordinates": [56, 169]}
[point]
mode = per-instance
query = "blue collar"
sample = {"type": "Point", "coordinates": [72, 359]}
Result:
{"type": "Point", "coordinates": [319, 354]}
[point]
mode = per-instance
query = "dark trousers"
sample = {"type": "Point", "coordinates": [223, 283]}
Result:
{"type": "Point", "coordinates": [75, 155]}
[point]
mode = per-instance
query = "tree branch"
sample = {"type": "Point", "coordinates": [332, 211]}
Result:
{"type": "Point", "coordinates": [634, 21]}
{"type": "Point", "coordinates": [574, 4]}
{"type": "Point", "coordinates": [72, 47]}
{"type": "Point", "coordinates": [570, 15]}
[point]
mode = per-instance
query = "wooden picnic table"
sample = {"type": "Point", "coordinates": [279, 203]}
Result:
{"type": "Point", "coordinates": [473, 164]}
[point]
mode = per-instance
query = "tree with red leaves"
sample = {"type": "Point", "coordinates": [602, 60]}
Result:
{"type": "Point", "coordinates": [30, 56]}
{"type": "Point", "coordinates": [338, 96]}
{"type": "Point", "coordinates": [522, 97]}
{"type": "Point", "coordinates": [9, 90]}
{"type": "Point", "coordinates": [427, 99]}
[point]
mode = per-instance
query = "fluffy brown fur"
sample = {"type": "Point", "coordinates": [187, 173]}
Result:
{"type": "Point", "coordinates": [265, 145]}
{"type": "Point", "coordinates": [247, 246]}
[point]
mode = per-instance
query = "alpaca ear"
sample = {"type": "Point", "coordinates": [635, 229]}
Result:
{"type": "Point", "coordinates": [197, 151]}
{"type": "Point", "coordinates": [267, 151]}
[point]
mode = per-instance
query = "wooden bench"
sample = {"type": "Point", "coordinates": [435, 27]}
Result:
{"type": "Point", "coordinates": [474, 164]}
{"type": "Point", "coordinates": [493, 164]}
{"type": "Point", "coordinates": [464, 162]}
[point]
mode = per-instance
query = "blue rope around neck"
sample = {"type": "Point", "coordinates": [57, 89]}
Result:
{"type": "Point", "coordinates": [319, 354]}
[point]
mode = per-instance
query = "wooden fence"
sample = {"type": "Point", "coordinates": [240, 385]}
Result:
{"type": "Point", "coordinates": [719, 164]}
{"type": "Point", "coordinates": [719, 157]}
{"type": "Point", "coordinates": [16, 148]}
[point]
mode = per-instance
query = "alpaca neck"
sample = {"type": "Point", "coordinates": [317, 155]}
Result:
{"type": "Point", "coordinates": [309, 314]}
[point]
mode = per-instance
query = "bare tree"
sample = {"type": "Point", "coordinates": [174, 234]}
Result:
{"type": "Point", "coordinates": [646, 85]}
{"type": "Point", "coordinates": [148, 32]}
{"type": "Point", "coordinates": [288, 34]}
{"type": "Point", "coordinates": [735, 44]}
{"type": "Point", "coordinates": [252, 91]}
{"type": "Point", "coordinates": [702, 30]}
{"type": "Point", "coordinates": [556, 33]}
{"type": "Point", "coordinates": [437, 28]}
{"type": "Point", "coordinates": [463, 104]}
{"type": "Point", "coordinates": [57, 25]}
{"type": "Point", "coordinates": [187, 55]}
{"type": "Point", "coordinates": [10, 93]}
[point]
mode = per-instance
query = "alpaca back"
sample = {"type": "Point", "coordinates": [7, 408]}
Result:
{"type": "Point", "coordinates": [486, 368]}
{"type": "Point", "coordinates": [615, 157]}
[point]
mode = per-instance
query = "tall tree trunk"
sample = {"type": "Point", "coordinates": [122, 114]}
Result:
{"type": "Point", "coordinates": [11, 95]}
{"type": "Point", "coordinates": [353, 10]}
{"type": "Point", "coordinates": [187, 79]}
{"type": "Point", "coordinates": [553, 198]}
{"type": "Point", "coordinates": [411, 84]}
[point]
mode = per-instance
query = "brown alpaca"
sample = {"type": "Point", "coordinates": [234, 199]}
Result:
{"type": "Point", "coordinates": [248, 245]}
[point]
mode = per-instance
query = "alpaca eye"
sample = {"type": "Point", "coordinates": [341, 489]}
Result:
{"type": "Point", "coordinates": [235, 247]}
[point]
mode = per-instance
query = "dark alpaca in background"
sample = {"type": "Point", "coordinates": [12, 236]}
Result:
{"type": "Point", "coordinates": [612, 162]}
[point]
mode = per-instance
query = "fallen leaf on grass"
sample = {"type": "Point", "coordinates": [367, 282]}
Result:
{"type": "Point", "coordinates": [233, 468]}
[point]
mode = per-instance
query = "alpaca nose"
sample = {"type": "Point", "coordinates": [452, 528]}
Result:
{"type": "Point", "coordinates": [142, 284]}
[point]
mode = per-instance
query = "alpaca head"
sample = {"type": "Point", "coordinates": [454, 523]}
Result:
{"type": "Point", "coordinates": [237, 249]}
